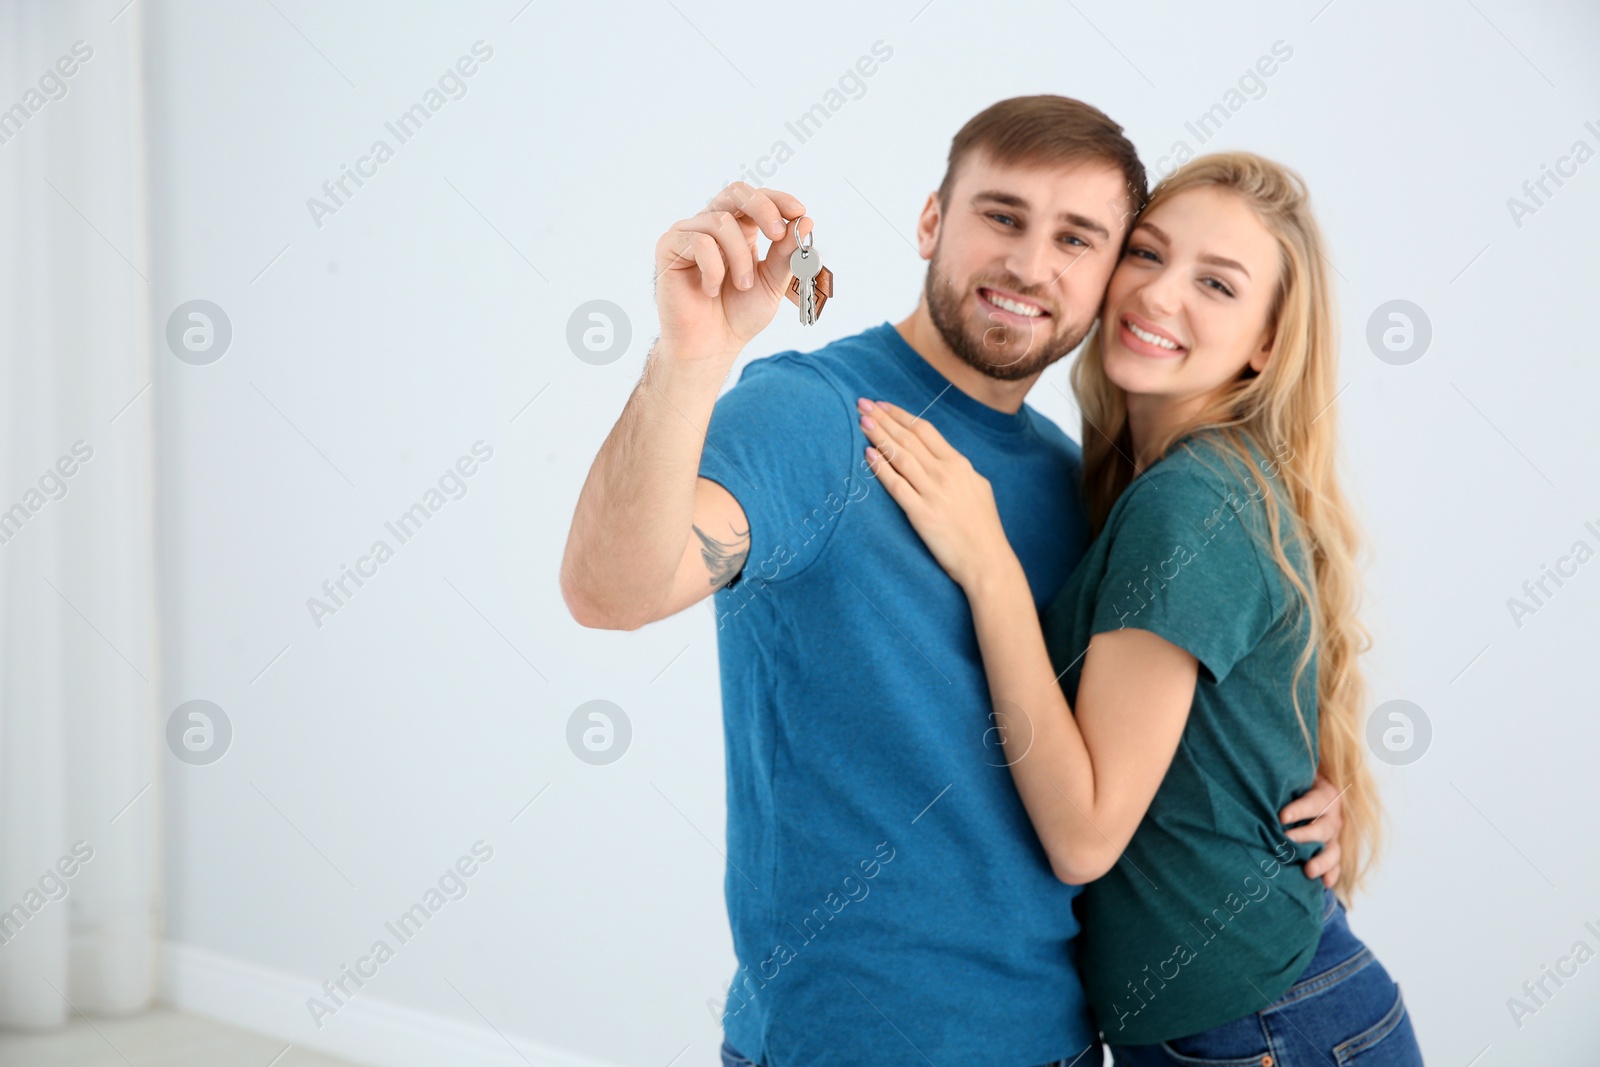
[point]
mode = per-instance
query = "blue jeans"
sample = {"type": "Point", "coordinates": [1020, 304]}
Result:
{"type": "Point", "coordinates": [1345, 1010]}
{"type": "Point", "coordinates": [731, 1058]}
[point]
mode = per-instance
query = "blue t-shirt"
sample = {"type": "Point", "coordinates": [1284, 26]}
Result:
{"type": "Point", "coordinates": [889, 898]}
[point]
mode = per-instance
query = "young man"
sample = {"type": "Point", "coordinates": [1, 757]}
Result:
{"type": "Point", "coordinates": [889, 899]}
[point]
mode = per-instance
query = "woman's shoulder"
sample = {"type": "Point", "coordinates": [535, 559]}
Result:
{"type": "Point", "coordinates": [1196, 466]}
{"type": "Point", "coordinates": [1202, 483]}
{"type": "Point", "coordinates": [1209, 463]}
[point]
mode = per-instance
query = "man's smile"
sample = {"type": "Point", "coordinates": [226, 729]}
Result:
{"type": "Point", "coordinates": [1008, 303]}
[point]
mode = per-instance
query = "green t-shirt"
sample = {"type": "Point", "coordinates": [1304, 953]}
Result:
{"type": "Point", "coordinates": [1206, 917]}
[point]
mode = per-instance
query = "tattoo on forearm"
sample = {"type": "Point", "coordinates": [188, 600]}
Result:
{"type": "Point", "coordinates": [724, 559]}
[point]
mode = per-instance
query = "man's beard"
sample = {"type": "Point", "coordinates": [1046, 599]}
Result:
{"type": "Point", "coordinates": [1014, 354]}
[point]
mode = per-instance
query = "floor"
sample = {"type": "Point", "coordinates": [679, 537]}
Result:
{"type": "Point", "coordinates": [159, 1038]}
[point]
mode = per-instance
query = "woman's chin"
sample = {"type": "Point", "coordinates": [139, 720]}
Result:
{"type": "Point", "coordinates": [1131, 375]}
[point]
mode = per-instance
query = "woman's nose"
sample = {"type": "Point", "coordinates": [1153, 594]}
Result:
{"type": "Point", "coordinates": [1160, 295]}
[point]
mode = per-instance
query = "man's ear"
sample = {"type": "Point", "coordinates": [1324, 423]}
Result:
{"type": "Point", "coordinates": [928, 226]}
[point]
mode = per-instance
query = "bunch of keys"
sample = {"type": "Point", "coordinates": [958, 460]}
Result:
{"type": "Point", "coordinates": [812, 283]}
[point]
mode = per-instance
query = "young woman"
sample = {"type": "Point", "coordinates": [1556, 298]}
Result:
{"type": "Point", "coordinates": [1200, 663]}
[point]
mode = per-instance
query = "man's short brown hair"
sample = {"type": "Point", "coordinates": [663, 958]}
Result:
{"type": "Point", "coordinates": [1046, 130]}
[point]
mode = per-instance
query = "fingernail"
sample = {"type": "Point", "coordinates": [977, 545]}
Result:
{"type": "Point", "coordinates": [866, 420]}
{"type": "Point", "coordinates": [866, 405]}
{"type": "Point", "coordinates": [779, 229]}
{"type": "Point", "coordinates": [744, 280]}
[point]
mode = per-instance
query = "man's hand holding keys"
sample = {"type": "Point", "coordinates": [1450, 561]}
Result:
{"type": "Point", "coordinates": [714, 292]}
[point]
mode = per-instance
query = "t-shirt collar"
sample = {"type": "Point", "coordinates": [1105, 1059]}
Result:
{"type": "Point", "coordinates": [951, 398]}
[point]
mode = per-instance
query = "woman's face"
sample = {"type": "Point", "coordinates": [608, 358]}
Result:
{"type": "Point", "coordinates": [1186, 310]}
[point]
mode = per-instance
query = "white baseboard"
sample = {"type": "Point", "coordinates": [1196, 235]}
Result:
{"type": "Point", "coordinates": [367, 1029]}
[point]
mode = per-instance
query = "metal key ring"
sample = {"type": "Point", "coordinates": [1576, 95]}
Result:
{"type": "Point", "coordinates": [803, 249]}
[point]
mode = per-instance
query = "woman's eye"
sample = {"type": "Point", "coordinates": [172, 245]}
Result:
{"type": "Point", "coordinates": [1217, 284]}
{"type": "Point", "coordinates": [1074, 237]}
{"type": "Point", "coordinates": [1143, 253]}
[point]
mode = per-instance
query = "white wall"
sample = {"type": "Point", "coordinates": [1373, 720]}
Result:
{"type": "Point", "coordinates": [428, 311]}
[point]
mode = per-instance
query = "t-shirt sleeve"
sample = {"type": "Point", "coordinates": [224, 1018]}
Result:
{"type": "Point", "coordinates": [780, 441]}
{"type": "Point", "coordinates": [1182, 564]}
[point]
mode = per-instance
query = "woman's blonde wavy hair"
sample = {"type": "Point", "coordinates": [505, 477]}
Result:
{"type": "Point", "coordinates": [1288, 411]}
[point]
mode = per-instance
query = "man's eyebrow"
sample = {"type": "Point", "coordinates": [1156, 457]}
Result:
{"type": "Point", "coordinates": [1072, 217]}
{"type": "Point", "coordinates": [1216, 261]}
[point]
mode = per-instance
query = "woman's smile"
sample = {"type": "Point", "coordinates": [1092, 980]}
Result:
{"type": "Point", "coordinates": [1140, 336]}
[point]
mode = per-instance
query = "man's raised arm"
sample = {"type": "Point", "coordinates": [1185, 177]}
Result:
{"type": "Point", "coordinates": [649, 536]}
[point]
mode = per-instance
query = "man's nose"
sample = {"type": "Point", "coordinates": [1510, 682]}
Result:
{"type": "Point", "coordinates": [1035, 261]}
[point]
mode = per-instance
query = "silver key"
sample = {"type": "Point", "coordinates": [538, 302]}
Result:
{"type": "Point", "coordinates": [812, 284]}
{"type": "Point", "coordinates": [806, 263]}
